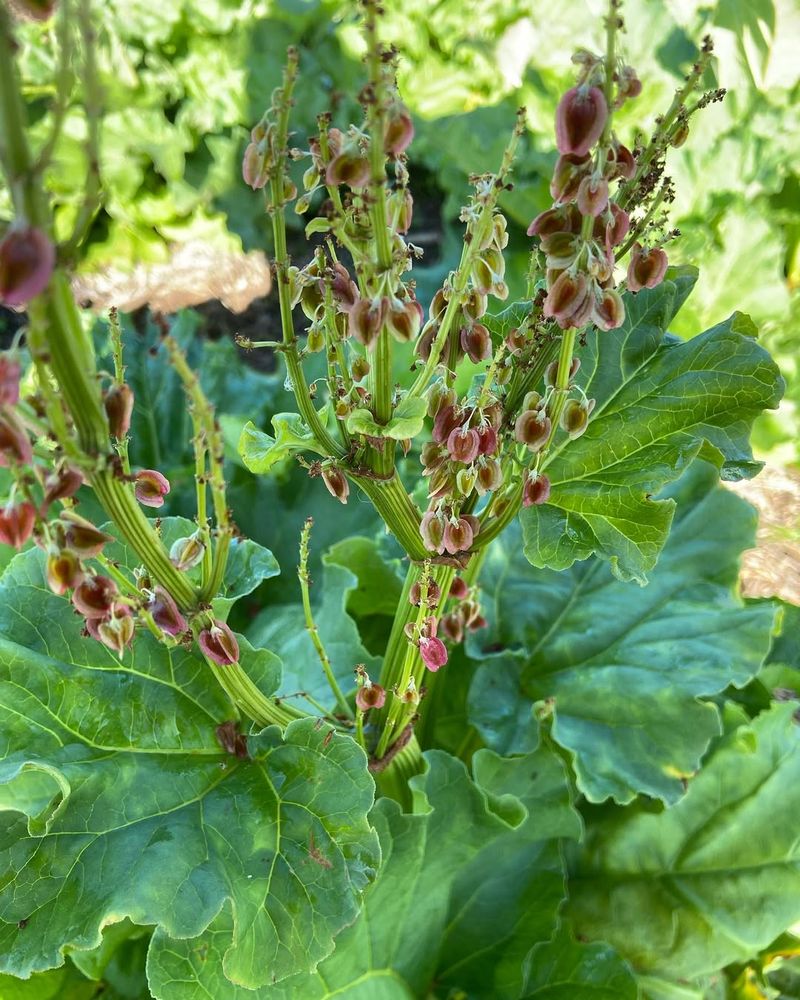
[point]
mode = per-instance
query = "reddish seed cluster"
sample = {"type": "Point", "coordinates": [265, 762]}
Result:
{"type": "Point", "coordinates": [581, 233]}
{"type": "Point", "coordinates": [27, 260]}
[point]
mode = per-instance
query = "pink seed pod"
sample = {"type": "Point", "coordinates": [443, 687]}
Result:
{"type": "Point", "coordinates": [628, 84]}
{"type": "Point", "coordinates": [404, 320]}
{"type": "Point", "coordinates": [617, 227]}
{"type": "Point", "coordinates": [452, 626]}
{"type": "Point", "coordinates": [433, 652]}
{"type": "Point", "coordinates": [592, 196]}
{"type": "Point", "coordinates": [490, 476]}
{"type": "Point", "coordinates": [27, 260]}
{"type": "Point", "coordinates": [366, 321]}
{"type": "Point", "coordinates": [447, 420]}
{"type": "Point", "coordinates": [81, 535]}
{"type": "Point", "coordinates": [609, 311]}
{"type": "Point", "coordinates": [150, 488]}
{"type": "Point", "coordinates": [475, 305]}
{"type": "Point", "coordinates": [433, 598]}
{"type": "Point", "coordinates": [476, 342]}
{"type": "Point", "coordinates": [399, 131]}
{"type": "Point", "coordinates": [61, 484]}
{"type": "Point", "coordinates": [64, 572]}
{"type": "Point", "coordinates": [575, 417]}
{"type": "Point", "coordinates": [580, 118]}
{"type": "Point", "coordinates": [369, 696]}
{"type": "Point", "coordinates": [432, 531]}
{"type": "Point", "coordinates": [343, 288]}
{"type": "Point", "coordinates": [118, 402]}
{"type": "Point", "coordinates": [487, 439]}
{"type": "Point", "coordinates": [33, 10]}
{"type": "Point", "coordinates": [15, 445]}
{"type": "Point", "coordinates": [646, 268]}
{"type": "Point", "coordinates": [116, 631]}
{"type": "Point", "coordinates": [532, 428]}
{"type": "Point", "coordinates": [336, 483]}
{"type": "Point", "coordinates": [165, 612]}
{"type": "Point", "coordinates": [94, 596]}
{"type": "Point", "coordinates": [10, 371]}
{"type": "Point", "coordinates": [567, 175]}
{"type": "Point", "coordinates": [458, 535]}
{"type": "Point", "coordinates": [624, 163]}
{"type": "Point", "coordinates": [350, 167]}
{"type": "Point", "coordinates": [256, 165]}
{"type": "Point", "coordinates": [463, 445]}
{"type": "Point", "coordinates": [536, 490]}
{"type": "Point", "coordinates": [439, 397]}
{"type": "Point", "coordinates": [568, 300]}
{"type": "Point", "coordinates": [219, 644]}
{"type": "Point", "coordinates": [16, 524]}
{"type": "Point", "coordinates": [458, 589]}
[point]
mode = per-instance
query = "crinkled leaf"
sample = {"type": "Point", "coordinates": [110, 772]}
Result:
{"type": "Point", "coordinates": [711, 881]}
{"type": "Point", "coordinates": [476, 862]}
{"type": "Point", "coordinates": [511, 318]}
{"type": "Point", "coordinates": [564, 969]}
{"type": "Point", "coordinates": [119, 802]}
{"type": "Point", "coordinates": [282, 628]}
{"type": "Point", "coordinates": [361, 421]}
{"type": "Point", "coordinates": [260, 452]}
{"type": "Point", "coordinates": [406, 422]}
{"type": "Point", "coordinates": [625, 665]}
{"type": "Point", "coordinates": [660, 402]}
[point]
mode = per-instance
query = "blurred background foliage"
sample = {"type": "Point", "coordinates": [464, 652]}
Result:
{"type": "Point", "coordinates": [184, 80]}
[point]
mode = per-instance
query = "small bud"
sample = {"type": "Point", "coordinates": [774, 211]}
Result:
{"type": "Point", "coordinates": [336, 483]}
{"type": "Point", "coordinates": [624, 163]}
{"type": "Point", "coordinates": [64, 572]}
{"type": "Point", "coordinates": [476, 342]}
{"type": "Point", "coordinates": [81, 535]}
{"type": "Point", "coordinates": [592, 196]}
{"type": "Point", "coordinates": [679, 136]}
{"type": "Point", "coordinates": [433, 652]}
{"type": "Point", "coordinates": [463, 444]}
{"type": "Point", "coordinates": [580, 118]}
{"type": "Point", "coordinates": [432, 531]}
{"type": "Point", "coordinates": [536, 490]}
{"type": "Point", "coordinates": [15, 445]}
{"type": "Point", "coordinates": [532, 428]}
{"type": "Point", "coordinates": [165, 613]}
{"type": "Point", "coordinates": [360, 368]}
{"type": "Point", "coordinates": [151, 488]}
{"type": "Point", "coordinates": [10, 371]}
{"type": "Point", "coordinates": [118, 402]}
{"type": "Point", "coordinates": [94, 596]}
{"type": "Point", "coordinates": [628, 83]}
{"type": "Point", "coordinates": [646, 268]}
{"type": "Point", "coordinates": [399, 131]}
{"type": "Point", "coordinates": [61, 484]}
{"type": "Point", "coordinates": [186, 553]}
{"type": "Point", "coordinates": [16, 524]}
{"type": "Point", "coordinates": [219, 644]}
{"type": "Point", "coordinates": [617, 228]}
{"type": "Point", "coordinates": [343, 288]}
{"type": "Point", "coordinates": [116, 632]}
{"type": "Point", "coordinates": [27, 260]}
{"type": "Point", "coordinates": [369, 696]}
{"type": "Point", "coordinates": [458, 535]}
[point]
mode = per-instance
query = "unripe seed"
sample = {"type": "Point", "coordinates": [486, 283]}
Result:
{"type": "Point", "coordinates": [94, 596]}
{"type": "Point", "coordinates": [150, 488]}
{"type": "Point", "coordinates": [118, 402]}
{"type": "Point", "coordinates": [27, 260]}
{"type": "Point", "coordinates": [16, 524]}
{"type": "Point", "coordinates": [219, 644]}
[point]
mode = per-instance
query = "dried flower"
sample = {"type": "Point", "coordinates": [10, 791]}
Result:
{"type": "Point", "coordinates": [64, 572]}
{"type": "Point", "coordinates": [369, 696]}
{"type": "Point", "coordinates": [186, 553]}
{"type": "Point", "coordinates": [118, 402]}
{"type": "Point", "coordinates": [580, 118]}
{"type": "Point", "coordinates": [116, 631]}
{"type": "Point", "coordinates": [81, 535]}
{"type": "Point", "coordinates": [398, 132]}
{"type": "Point", "coordinates": [94, 596]}
{"type": "Point", "coordinates": [336, 483]}
{"type": "Point", "coordinates": [165, 612]}
{"type": "Point", "coordinates": [15, 445]}
{"type": "Point", "coordinates": [61, 484]}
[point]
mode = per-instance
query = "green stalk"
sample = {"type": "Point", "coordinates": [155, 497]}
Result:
{"type": "Point", "coordinates": [396, 508]}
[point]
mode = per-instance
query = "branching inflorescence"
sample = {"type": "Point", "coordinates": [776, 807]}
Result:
{"type": "Point", "coordinates": [483, 453]}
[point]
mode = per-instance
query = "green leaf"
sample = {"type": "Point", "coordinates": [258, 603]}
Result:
{"type": "Point", "coordinates": [625, 665]}
{"type": "Point", "coordinates": [711, 881]}
{"type": "Point", "coordinates": [407, 420]}
{"type": "Point", "coordinates": [118, 801]}
{"type": "Point", "coordinates": [446, 882]}
{"type": "Point", "coordinates": [65, 983]}
{"type": "Point", "coordinates": [282, 628]}
{"type": "Point", "coordinates": [362, 421]}
{"type": "Point", "coordinates": [563, 969]}
{"type": "Point", "coordinates": [379, 586]}
{"type": "Point", "coordinates": [660, 402]}
{"type": "Point", "coordinates": [509, 319]}
{"type": "Point", "coordinates": [260, 452]}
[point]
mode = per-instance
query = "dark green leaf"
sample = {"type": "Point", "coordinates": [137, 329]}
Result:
{"type": "Point", "coordinates": [563, 969]}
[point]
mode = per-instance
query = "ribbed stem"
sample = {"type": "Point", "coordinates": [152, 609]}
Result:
{"type": "Point", "coordinates": [398, 510]}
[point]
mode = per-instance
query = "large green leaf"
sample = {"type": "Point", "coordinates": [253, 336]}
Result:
{"type": "Point", "coordinates": [118, 801]}
{"type": "Point", "coordinates": [564, 969]}
{"type": "Point", "coordinates": [625, 665]}
{"type": "Point", "coordinates": [468, 883]}
{"type": "Point", "coordinates": [660, 402]}
{"type": "Point", "coordinates": [711, 881]}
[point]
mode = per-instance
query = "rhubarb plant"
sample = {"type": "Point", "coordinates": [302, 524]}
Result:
{"type": "Point", "coordinates": [525, 741]}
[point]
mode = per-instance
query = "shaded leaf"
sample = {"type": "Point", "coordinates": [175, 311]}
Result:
{"type": "Point", "coordinates": [563, 969]}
